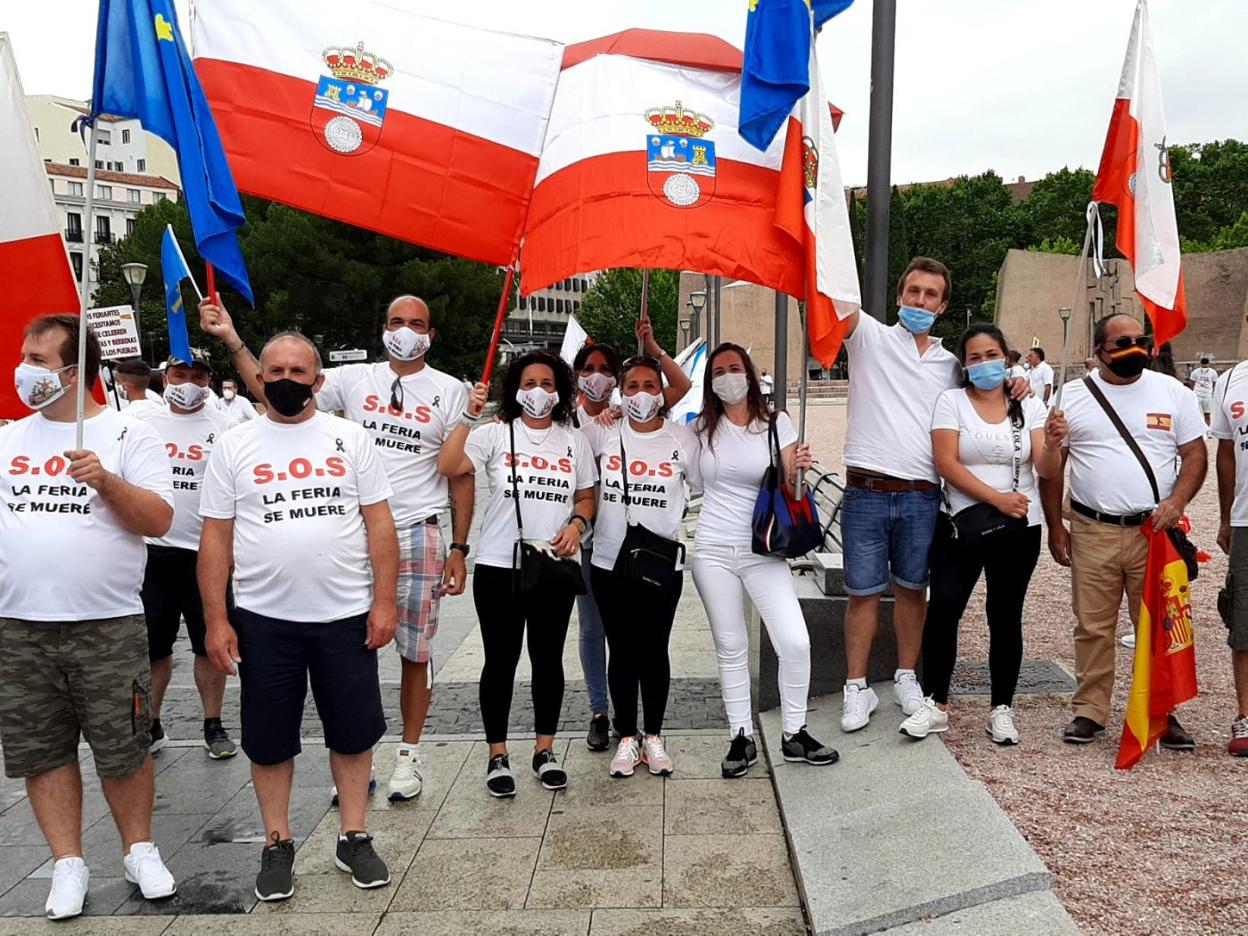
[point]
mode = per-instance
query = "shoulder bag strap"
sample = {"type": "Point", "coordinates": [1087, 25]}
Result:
{"type": "Point", "coordinates": [628, 518]}
{"type": "Point", "coordinates": [1126, 436]}
{"type": "Point", "coordinates": [515, 470]}
{"type": "Point", "coordinates": [773, 444]}
{"type": "Point", "coordinates": [1018, 452]}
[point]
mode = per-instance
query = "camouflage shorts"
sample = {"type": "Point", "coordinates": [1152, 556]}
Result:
{"type": "Point", "coordinates": [59, 679]}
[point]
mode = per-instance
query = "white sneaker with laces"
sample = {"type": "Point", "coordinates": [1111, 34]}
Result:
{"type": "Point", "coordinates": [627, 757]}
{"type": "Point", "coordinates": [654, 755]}
{"type": "Point", "coordinates": [1001, 725]}
{"type": "Point", "coordinates": [908, 692]}
{"type": "Point", "coordinates": [857, 706]}
{"type": "Point", "coordinates": [929, 719]}
{"type": "Point", "coordinates": [69, 889]}
{"type": "Point", "coordinates": [1128, 640]}
{"type": "Point", "coordinates": [144, 867]}
{"type": "Point", "coordinates": [407, 781]}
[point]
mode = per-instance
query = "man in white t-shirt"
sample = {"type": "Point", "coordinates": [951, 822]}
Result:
{"type": "Point", "coordinates": [1111, 497]}
{"type": "Point", "coordinates": [1040, 375]}
{"type": "Point", "coordinates": [1230, 427]}
{"type": "Point", "coordinates": [1203, 379]}
{"type": "Point", "coordinates": [132, 379]}
{"type": "Point", "coordinates": [407, 408]}
{"type": "Point", "coordinates": [296, 503]}
{"type": "Point", "coordinates": [189, 425]}
{"type": "Point", "coordinates": [237, 408]}
{"type": "Point", "coordinates": [73, 648]}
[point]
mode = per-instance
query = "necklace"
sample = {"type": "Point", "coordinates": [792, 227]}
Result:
{"type": "Point", "coordinates": [528, 433]}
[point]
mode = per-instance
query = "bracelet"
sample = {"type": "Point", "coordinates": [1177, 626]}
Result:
{"type": "Point", "coordinates": [233, 351]}
{"type": "Point", "coordinates": [470, 421]}
{"type": "Point", "coordinates": [586, 523]}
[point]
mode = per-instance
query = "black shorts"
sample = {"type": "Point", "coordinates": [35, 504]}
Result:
{"type": "Point", "coordinates": [279, 657]}
{"type": "Point", "coordinates": [171, 593]}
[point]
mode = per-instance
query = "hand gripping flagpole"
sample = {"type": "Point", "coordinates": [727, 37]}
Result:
{"type": "Point", "coordinates": [1081, 284]}
{"type": "Point", "coordinates": [498, 321]}
{"type": "Point", "coordinates": [85, 287]}
{"type": "Point", "coordinates": [644, 313]}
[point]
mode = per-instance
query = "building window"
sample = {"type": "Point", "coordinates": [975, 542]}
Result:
{"type": "Point", "coordinates": [103, 230]}
{"type": "Point", "coordinates": [158, 197]}
{"type": "Point", "coordinates": [142, 165]}
{"type": "Point", "coordinates": [541, 303]}
{"type": "Point", "coordinates": [73, 227]}
{"type": "Point", "coordinates": [99, 164]}
{"type": "Point", "coordinates": [75, 188]}
{"type": "Point", "coordinates": [132, 195]}
{"type": "Point", "coordinates": [559, 306]}
{"type": "Point", "coordinates": [104, 137]}
{"type": "Point", "coordinates": [76, 259]}
{"type": "Point", "coordinates": [52, 182]}
{"type": "Point", "coordinates": [125, 136]}
{"type": "Point", "coordinates": [522, 302]}
{"type": "Point", "coordinates": [104, 192]}
{"type": "Point", "coordinates": [129, 226]}
{"type": "Point", "coordinates": [73, 161]}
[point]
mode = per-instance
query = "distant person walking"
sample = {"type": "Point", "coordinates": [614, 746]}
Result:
{"type": "Point", "coordinates": [1040, 375]}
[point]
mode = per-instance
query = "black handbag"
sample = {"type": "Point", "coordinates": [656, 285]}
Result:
{"type": "Point", "coordinates": [972, 525]}
{"type": "Point", "coordinates": [535, 563]}
{"type": "Point", "coordinates": [645, 558]}
{"type": "Point", "coordinates": [783, 527]}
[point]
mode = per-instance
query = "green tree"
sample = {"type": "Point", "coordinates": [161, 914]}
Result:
{"type": "Point", "coordinates": [609, 310]}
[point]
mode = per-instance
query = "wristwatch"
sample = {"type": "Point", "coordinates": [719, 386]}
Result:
{"type": "Point", "coordinates": [462, 547]}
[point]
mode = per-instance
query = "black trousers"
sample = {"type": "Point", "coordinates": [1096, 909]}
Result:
{"type": "Point", "coordinates": [505, 617]}
{"type": "Point", "coordinates": [1006, 561]}
{"type": "Point", "coordinates": [638, 622]}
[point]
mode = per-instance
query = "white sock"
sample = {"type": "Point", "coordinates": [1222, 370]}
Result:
{"type": "Point", "coordinates": [860, 683]}
{"type": "Point", "coordinates": [902, 672]}
{"type": "Point", "coordinates": [411, 750]}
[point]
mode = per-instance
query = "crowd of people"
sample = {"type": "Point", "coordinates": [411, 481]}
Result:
{"type": "Point", "coordinates": [297, 544]}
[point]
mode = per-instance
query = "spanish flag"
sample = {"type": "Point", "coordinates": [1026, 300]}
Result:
{"type": "Point", "coordinates": [1165, 657]}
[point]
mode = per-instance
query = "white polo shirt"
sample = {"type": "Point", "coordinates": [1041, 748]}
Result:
{"type": "Point", "coordinates": [1039, 377]}
{"type": "Point", "coordinates": [892, 391]}
{"type": "Point", "coordinates": [1230, 421]}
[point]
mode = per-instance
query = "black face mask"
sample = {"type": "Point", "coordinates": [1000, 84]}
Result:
{"type": "Point", "coordinates": [1128, 366]}
{"type": "Point", "coordinates": [288, 397]}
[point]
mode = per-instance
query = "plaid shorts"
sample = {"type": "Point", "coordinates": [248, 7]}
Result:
{"type": "Point", "coordinates": [421, 558]}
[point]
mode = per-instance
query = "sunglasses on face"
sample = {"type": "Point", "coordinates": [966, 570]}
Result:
{"type": "Point", "coordinates": [1129, 341]}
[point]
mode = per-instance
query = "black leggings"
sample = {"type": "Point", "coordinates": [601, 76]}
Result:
{"type": "Point", "coordinates": [1006, 561]}
{"type": "Point", "coordinates": [638, 623]}
{"type": "Point", "coordinates": [503, 616]}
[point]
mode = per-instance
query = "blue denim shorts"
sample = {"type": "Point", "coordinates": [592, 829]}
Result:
{"type": "Point", "coordinates": [887, 534]}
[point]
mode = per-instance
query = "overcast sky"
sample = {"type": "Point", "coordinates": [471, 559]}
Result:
{"type": "Point", "coordinates": [1019, 86]}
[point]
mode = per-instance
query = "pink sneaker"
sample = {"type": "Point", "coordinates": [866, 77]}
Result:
{"type": "Point", "coordinates": [627, 757]}
{"type": "Point", "coordinates": [654, 754]}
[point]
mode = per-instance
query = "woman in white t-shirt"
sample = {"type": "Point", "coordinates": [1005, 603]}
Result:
{"type": "Point", "coordinates": [533, 451]}
{"type": "Point", "coordinates": [735, 453]}
{"type": "Point", "coordinates": [647, 460]}
{"type": "Point", "coordinates": [989, 450]}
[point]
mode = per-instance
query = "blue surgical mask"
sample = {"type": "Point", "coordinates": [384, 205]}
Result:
{"type": "Point", "coordinates": [987, 375]}
{"type": "Point", "coordinates": [916, 321]}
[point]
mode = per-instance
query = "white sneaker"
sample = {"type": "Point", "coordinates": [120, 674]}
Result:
{"type": "Point", "coordinates": [908, 693]}
{"type": "Point", "coordinates": [1001, 725]}
{"type": "Point", "coordinates": [627, 757]}
{"type": "Point", "coordinates": [654, 755]}
{"type": "Point", "coordinates": [407, 781]}
{"type": "Point", "coordinates": [857, 706]}
{"type": "Point", "coordinates": [69, 889]}
{"type": "Point", "coordinates": [929, 719]}
{"type": "Point", "coordinates": [144, 867]}
{"type": "Point", "coordinates": [1128, 640]}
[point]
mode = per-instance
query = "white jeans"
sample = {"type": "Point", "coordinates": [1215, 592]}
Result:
{"type": "Point", "coordinates": [719, 572]}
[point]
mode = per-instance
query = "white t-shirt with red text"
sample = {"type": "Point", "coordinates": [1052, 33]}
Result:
{"type": "Point", "coordinates": [1230, 422]}
{"type": "Point", "coordinates": [295, 493]}
{"type": "Point", "coordinates": [407, 439]}
{"type": "Point", "coordinates": [189, 439]}
{"type": "Point", "coordinates": [551, 465]}
{"type": "Point", "coordinates": [660, 464]}
{"type": "Point", "coordinates": [63, 554]}
{"type": "Point", "coordinates": [732, 470]}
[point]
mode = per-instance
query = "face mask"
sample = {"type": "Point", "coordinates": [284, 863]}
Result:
{"type": "Point", "coordinates": [536, 402]}
{"type": "Point", "coordinates": [643, 406]}
{"type": "Point", "coordinates": [987, 375]}
{"type": "Point", "coordinates": [916, 321]}
{"type": "Point", "coordinates": [1129, 363]}
{"type": "Point", "coordinates": [731, 388]}
{"type": "Point", "coordinates": [405, 344]}
{"type": "Point", "coordinates": [288, 397]}
{"type": "Point", "coordinates": [185, 395]}
{"type": "Point", "coordinates": [37, 386]}
{"type": "Point", "coordinates": [227, 394]}
{"type": "Point", "coordinates": [596, 387]}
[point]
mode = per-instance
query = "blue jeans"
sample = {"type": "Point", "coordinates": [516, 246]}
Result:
{"type": "Point", "coordinates": [887, 534]}
{"type": "Point", "coordinates": [593, 640]}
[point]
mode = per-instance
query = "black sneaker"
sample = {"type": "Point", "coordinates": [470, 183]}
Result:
{"type": "Point", "coordinates": [498, 778]}
{"type": "Point", "coordinates": [742, 754]}
{"type": "Point", "coordinates": [599, 737]}
{"type": "Point", "coordinates": [1177, 738]}
{"type": "Point", "coordinates": [546, 768]}
{"type": "Point", "coordinates": [802, 748]}
{"type": "Point", "coordinates": [159, 738]}
{"type": "Point", "coordinates": [1081, 730]}
{"type": "Point", "coordinates": [217, 741]}
{"type": "Point", "coordinates": [355, 855]}
{"type": "Point", "coordinates": [276, 880]}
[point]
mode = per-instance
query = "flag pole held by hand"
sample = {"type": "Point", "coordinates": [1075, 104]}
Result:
{"type": "Point", "coordinates": [1080, 300]}
{"type": "Point", "coordinates": [644, 314]}
{"type": "Point", "coordinates": [498, 324]}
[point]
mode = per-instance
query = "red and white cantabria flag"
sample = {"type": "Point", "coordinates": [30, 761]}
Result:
{"type": "Point", "coordinates": [35, 273]}
{"type": "Point", "coordinates": [1135, 175]}
{"type": "Point", "coordinates": [418, 128]}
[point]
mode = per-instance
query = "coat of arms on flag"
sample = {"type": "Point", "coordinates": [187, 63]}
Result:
{"type": "Point", "coordinates": [680, 163]}
{"type": "Point", "coordinates": [349, 108]}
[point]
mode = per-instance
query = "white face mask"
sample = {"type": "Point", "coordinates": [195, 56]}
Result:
{"type": "Point", "coordinates": [185, 396]}
{"type": "Point", "coordinates": [596, 387]}
{"type": "Point", "coordinates": [731, 388]}
{"type": "Point", "coordinates": [405, 344]}
{"type": "Point", "coordinates": [227, 394]}
{"type": "Point", "coordinates": [536, 402]}
{"type": "Point", "coordinates": [37, 386]}
{"type": "Point", "coordinates": [643, 406]}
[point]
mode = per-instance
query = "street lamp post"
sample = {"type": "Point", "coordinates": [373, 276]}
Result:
{"type": "Point", "coordinates": [135, 274]}
{"type": "Point", "coordinates": [697, 302]}
{"type": "Point", "coordinates": [684, 328]}
{"type": "Point", "coordinates": [1064, 313]}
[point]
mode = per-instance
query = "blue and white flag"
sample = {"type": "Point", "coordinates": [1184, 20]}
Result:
{"type": "Point", "coordinates": [174, 270]}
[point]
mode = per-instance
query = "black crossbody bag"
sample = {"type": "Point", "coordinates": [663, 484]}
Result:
{"type": "Point", "coordinates": [535, 563]}
{"type": "Point", "coordinates": [1186, 548]}
{"type": "Point", "coordinates": [645, 558]}
{"type": "Point", "coordinates": [972, 525]}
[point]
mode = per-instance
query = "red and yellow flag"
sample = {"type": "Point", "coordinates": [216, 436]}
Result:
{"type": "Point", "coordinates": [1165, 657]}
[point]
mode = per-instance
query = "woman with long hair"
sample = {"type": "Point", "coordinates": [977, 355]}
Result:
{"type": "Point", "coordinates": [989, 450]}
{"type": "Point", "coordinates": [734, 431]}
{"type": "Point", "coordinates": [541, 473]}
